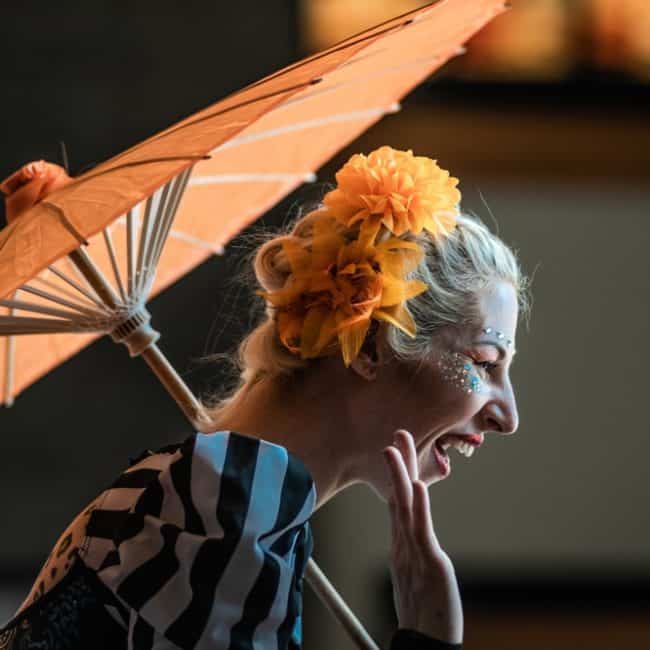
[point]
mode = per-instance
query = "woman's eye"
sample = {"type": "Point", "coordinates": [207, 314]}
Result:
{"type": "Point", "coordinates": [487, 365]}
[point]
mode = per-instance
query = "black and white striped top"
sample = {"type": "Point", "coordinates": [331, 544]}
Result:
{"type": "Point", "coordinates": [202, 545]}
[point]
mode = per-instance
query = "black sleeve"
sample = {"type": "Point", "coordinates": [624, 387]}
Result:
{"type": "Point", "coordinates": [405, 639]}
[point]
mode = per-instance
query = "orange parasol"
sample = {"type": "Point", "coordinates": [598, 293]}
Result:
{"type": "Point", "coordinates": [83, 261]}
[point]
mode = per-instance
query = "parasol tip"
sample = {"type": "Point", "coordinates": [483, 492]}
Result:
{"type": "Point", "coordinates": [64, 157]}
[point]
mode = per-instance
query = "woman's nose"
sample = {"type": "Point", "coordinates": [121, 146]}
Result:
{"type": "Point", "coordinates": [502, 418]}
{"type": "Point", "coordinates": [503, 426]}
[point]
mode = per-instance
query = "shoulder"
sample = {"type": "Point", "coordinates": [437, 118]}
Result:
{"type": "Point", "coordinates": [222, 486]}
{"type": "Point", "coordinates": [204, 527]}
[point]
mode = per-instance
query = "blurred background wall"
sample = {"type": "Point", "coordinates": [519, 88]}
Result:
{"type": "Point", "coordinates": [545, 122]}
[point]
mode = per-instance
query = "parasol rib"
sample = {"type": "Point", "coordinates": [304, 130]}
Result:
{"type": "Point", "coordinates": [307, 177]}
{"type": "Point", "coordinates": [308, 124]}
{"type": "Point", "coordinates": [351, 82]}
{"type": "Point", "coordinates": [167, 210]}
{"type": "Point", "coordinates": [75, 270]}
{"type": "Point", "coordinates": [152, 206]}
{"type": "Point", "coordinates": [18, 325]}
{"type": "Point", "coordinates": [108, 240]}
{"type": "Point", "coordinates": [61, 290]}
{"type": "Point", "coordinates": [46, 295]}
{"type": "Point", "coordinates": [43, 309]}
{"type": "Point", "coordinates": [190, 239]}
{"type": "Point", "coordinates": [131, 225]}
{"type": "Point", "coordinates": [179, 189]}
{"type": "Point", "coordinates": [8, 397]}
{"type": "Point", "coordinates": [199, 243]}
{"type": "Point", "coordinates": [154, 231]}
{"type": "Point", "coordinates": [72, 283]}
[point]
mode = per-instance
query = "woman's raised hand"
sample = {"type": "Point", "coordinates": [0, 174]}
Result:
{"type": "Point", "coordinates": [30, 184]}
{"type": "Point", "coordinates": [425, 589]}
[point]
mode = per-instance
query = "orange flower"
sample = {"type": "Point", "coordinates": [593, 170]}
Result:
{"type": "Point", "coordinates": [336, 289]}
{"type": "Point", "coordinates": [395, 188]}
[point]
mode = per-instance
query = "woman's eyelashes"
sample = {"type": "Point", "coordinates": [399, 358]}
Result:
{"type": "Point", "coordinates": [486, 365]}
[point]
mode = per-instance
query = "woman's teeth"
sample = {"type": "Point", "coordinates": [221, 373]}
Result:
{"type": "Point", "coordinates": [463, 447]}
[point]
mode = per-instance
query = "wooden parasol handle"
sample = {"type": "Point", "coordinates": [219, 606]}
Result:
{"type": "Point", "coordinates": [330, 597]}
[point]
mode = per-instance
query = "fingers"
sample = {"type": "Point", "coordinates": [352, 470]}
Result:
{"type": "Point", "coordinates": [405, 443]}
{"type": "Point", "coordinates": [396, 529]}
{"type": "Point", "coordinates": [423, 524]}
{"type": "Point", "coordinates": [402, 487]}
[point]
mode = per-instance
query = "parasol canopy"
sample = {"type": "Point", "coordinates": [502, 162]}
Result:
{"type": "Point", "coordinates": [149, 215]}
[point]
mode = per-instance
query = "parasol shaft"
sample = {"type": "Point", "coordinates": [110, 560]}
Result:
{"type": "Point", "coordinates": [176, 387]}
{"type": "Point", "coordinates": [94, 277]}
{"type": "Point", "coordinates": [330, 597]}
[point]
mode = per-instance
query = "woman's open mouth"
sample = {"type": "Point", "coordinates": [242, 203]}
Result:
{"type": "Point", "coordinates": [442, 458]}
{"type": "Point", "coordinates": [464, 444]}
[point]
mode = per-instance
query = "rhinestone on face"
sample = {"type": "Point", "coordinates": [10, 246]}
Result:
{"type": "Point", "coordinates": [487, 330]}
{"type": "Point", "coordinates": [500, 335]}
{"type": "Point", "coordinates": [455, 370]}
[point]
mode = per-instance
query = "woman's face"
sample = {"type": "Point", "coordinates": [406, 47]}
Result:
{"type": "Point", "coordinates": [463, 387]}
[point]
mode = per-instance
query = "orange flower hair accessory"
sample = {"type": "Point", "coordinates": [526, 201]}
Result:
{"type": "Point", "coordinates": [337, 286]}
{"type": "Point", "coordinates": [397, 189]}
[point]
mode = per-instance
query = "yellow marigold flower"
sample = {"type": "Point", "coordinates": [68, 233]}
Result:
{"type": "Point", "coordinates": [337, 288]}
{"type": "Point", "coordinates": [395, 188]}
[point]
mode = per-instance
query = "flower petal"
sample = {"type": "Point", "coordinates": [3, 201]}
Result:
{"type": "Point", "coordinates": [311, 328]}
{"type": "Point", "coordinates": [351, 339]}
{"type": "Point", "coordinates": [397, 315]}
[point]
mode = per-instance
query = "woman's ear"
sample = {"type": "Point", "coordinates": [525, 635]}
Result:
{"type": "Point", "coordinates": [372, 353]}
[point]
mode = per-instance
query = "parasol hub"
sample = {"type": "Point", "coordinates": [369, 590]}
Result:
{"type": "Point", "coordinates": [136, 332]}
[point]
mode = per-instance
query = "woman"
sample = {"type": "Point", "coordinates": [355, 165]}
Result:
{"type": "Point", "coordinates": [203, 544]}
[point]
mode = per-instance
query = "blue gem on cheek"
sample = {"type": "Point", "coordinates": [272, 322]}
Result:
{"type": "Point", "coordinates": [467, 366]}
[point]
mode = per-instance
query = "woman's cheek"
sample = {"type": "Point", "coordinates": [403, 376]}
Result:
{"type": "Point", "coordinates": [457, 372]}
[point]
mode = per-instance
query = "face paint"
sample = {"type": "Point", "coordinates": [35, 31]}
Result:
{"type": "Point", "coordinates": [459, 372]}
{"type": "Point", "coordinates": [500, 335]}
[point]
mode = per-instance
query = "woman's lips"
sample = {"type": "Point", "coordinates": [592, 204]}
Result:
{"type": "Point", "coordinates": [474, 439]}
